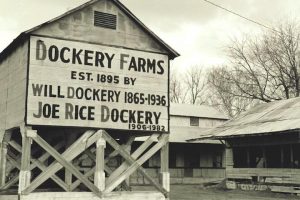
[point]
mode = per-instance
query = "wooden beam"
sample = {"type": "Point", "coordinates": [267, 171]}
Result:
{"type": "Point", "coordinates": [128, 149]}
{"type": "Point", "coordinates": [67, 165]}
{"type": "Point", "coordinates": [25, 173]}
{"type": "Point", "coordinates": [264, 157]}
{"type": "Point", "coordinates": [34, 164]}
{"type": "Point", "coordinates": [248, 156]}
{"type": "Point", "coordinates": [3, 152]}
{"type": "Point", "coordinates": [164, 169]}
{"type": "Point", "coordinates": [68, 175]}
{"type": "Point", "coordinates": [76, 183]}
{"type": "Point", "coordinates": [85, 141]}
{"type": "Point", "coordinates": [228, 156]}
{"type": "Point", "coordinates": [135, 165]}
{"type": "Point", "coordinates": [99, 177]}
{"type": "Point", "coordinates": [281, 156]}
{"type": "Point", "coordinates": [135, 155]}
{"type": "Point", "coordinates": [292, 156]}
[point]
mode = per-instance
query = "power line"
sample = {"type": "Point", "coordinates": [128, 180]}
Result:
{"type": "Point", "coordinates": [241, 16]}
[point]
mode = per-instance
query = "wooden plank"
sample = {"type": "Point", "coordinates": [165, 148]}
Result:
{"type": "Point", "coordinates": [76, 183]}
{"type": "Point", "coordinates": [68, 175]}
{"type": "Point", "coordinates": [99, 177]}
{"type": "Point", "coordinates": [135, 165]}
{"type": "Point", "coordinates": [228, 156]}
{"type": "Point", "coordinates": [67, 165]}
{"type": "Point", "coordinates": [85, 141]}
{"type": "Point", "coordinates": [25, 172]}
{"type": "Point", "coordinates": [164, 169]}
{"type": "Point", "coordinates": [126, 183]}
{"type": "Point", "coordinates": [41, 159]}
{"type": "Point", "coordinates": [3, 154]}
{"type": "Point", "coordinates": [135, 155]}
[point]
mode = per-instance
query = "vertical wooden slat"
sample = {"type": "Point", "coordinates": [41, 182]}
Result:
{"type": "Point", "coordinates": [264, 157]}
{"type": "Point", "coordinates": [164, 169]}
{"type": "Point", "coordinates": [281, 156]}
{"type": "Point", "coordinates": [248, 156]}
{"type": "Point", "coordinates": [68, 175]}
{"type": "Point", "coordinates": [25, 173]}
{"type": "Point", "coordinates": [3, 159]}
{"type": "Point", "coordinates": [292, 156]}
{"type": "Point", "coordinates": [99, 178]}
{"type": "Point", "coordinates": [229, 156]}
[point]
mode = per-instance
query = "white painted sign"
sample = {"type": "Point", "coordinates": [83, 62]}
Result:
{"type": "Point", "coordinates": [88, 85]}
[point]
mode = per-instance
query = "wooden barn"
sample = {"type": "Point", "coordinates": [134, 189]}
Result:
{"type": "Point", "coordinates": [84, 85]}
{"type": "Point", "coordinates": [263, 147]}
{"type": "Point", "coordinates": [190, 162]}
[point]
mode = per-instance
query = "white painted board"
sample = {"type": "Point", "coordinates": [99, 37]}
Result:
{"type": "Point", "coordinates": [90, 85]}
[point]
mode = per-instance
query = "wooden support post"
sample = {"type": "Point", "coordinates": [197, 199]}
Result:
{"type": "Point", "coordinates": [99, 177]}
{"type": "Point", "coordinates": [164, 169]}
{"type": "Point", "coordinates": [127, 181]}
{"type": "Point", "coordinates": [82, 143]}
{"type": "Point", "coordinates": [292, 156]}
{"type": "Point", "coordinates": [264, 157]}
{"type": "Point", "coordinates": [134, 164]}
{"type": "Point", "coordinates": [248, 156]}
{"type": "Point", "coordinates": [71, 138]}
{"type": "Point", "coordinates": [228, 156]}
{"type": "Point", "coordinates": [25, 173]}
{"type": "Point", "coordinates": [281, 156]}
{"type": "Point", "coordinates": [3, 153]}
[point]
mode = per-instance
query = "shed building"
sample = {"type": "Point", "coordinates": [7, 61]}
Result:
{"type": "Point", "coordinates": [262, 147]}
{"type": "Point", "coordinates": [190, 162]}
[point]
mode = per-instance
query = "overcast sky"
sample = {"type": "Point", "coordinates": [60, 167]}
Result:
{"type": "Point", "coordinates": [196, 29]}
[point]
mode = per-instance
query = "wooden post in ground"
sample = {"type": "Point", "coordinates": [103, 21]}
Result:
{"type": "Point", "coordinates": [164, 169]}
{"type": "Point", "coordinates": [248, 156]}
{"type": "Point", "coordinates": [99, 177]}
{"type": "Point", "coordinates": [25, 173]}
{"type": "Point", "coordinates": [68, 175]}
{"type": "Point", "coordinates": [281, 156]}
{"type": "Point", "coordinates": [228, 156]}
{"type": "Point", "coordinates": [3, 152]}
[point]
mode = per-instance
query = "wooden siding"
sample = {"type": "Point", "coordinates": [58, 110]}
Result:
{"type": "Point", "coordinates": [203, 122]}
{"type": "Point", "coordinates": [13, 88]}
{"type": "Point", "coordinates": [272, 175]}
{"type": "Point", "coordinates": [76, 25]}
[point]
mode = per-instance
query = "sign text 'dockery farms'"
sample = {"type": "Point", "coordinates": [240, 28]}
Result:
{"type": "Point", "coordinates": [88, 85]}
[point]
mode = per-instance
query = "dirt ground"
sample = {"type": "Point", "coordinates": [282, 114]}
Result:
{"type": "Point", "coordinates": [195, 192]}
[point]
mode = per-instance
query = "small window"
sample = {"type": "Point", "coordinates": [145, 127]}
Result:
{"type": "Point", "coordinates": [105, 20]}
{"type": "Point", "coordinates": [194, 121]}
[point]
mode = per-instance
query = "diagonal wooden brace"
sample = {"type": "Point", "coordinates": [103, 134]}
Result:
{"type": "Point", "coordinates": [41, 159]}
{"type": "Point", "coordinates": [135, 165]}
{"type": "Point", "coordinates": [84, 142]}
{"type": "Point", "coordinates": [135, 155]}
{"type": "Point", "coordinates": [66, 164]}
{"type": "Point", "coordinates": [39, 163]}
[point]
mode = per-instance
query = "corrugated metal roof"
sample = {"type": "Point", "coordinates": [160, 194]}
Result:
{"type": "Point", "coordinates": [196, 111]}
{"type": "Point", "coordinates": [275, 117]}
{"type": "Point", "coordinates": [24, 35]}
{"type": "Point", "coordinates": [182, 134]}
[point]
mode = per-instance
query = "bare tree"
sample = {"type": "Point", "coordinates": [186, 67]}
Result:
{"type": "Point", "coordinates": [177, 90]}
{"type": "Point", "coordinates": [261, 69]}
{"type": "Point", "coordinates": [195, 80]}
{"type": "Point", "coordinates": [223, 94]}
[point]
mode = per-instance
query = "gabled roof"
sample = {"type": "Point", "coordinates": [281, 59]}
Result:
{"type": "Point", "coordinates": [267, 118]}
{"type": "Point", "coordinates": [24, 35]}
{"type": "Point", "coordinates": [202, 111]}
